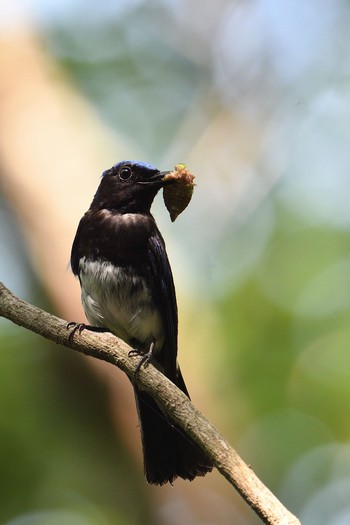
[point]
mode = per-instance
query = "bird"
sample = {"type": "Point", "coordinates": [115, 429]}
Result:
{"type": "Point", "coordinates": [127, 288]}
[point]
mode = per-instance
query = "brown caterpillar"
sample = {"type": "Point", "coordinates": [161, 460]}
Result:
{"type": "Point", "coordinates": [177, 195]}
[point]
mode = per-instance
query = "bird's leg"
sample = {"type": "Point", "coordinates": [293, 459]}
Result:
{"type": "Point", "coordinates": [145, 359]}
{"type": "Point", "coordinates": [79, 327]}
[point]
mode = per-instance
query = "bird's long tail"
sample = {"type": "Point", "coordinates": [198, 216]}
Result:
{"type": "Point", "coordinates": [167, 453]}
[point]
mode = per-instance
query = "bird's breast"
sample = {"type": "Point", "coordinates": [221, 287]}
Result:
{"type": "Point", "coordinates": [119, 238]}
{"type": "Point", "coordinates": [120, 299]}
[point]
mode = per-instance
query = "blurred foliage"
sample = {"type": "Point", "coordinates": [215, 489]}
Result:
{"type": "Point", "coordinates": [58, 450]}
{"type": "Point", "coordinates": [125, 67]}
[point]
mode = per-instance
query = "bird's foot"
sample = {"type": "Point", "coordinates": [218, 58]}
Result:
{"type": "Point", "coordinates": [79, 327]}
{"type": "Point", "coordinates": [145, 359]}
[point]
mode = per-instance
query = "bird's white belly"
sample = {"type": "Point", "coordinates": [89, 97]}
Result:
{"type": "Point", "coordinates": [118, 299]}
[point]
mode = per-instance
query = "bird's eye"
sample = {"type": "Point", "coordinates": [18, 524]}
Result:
{"type": "Point", "coordinates": [125, 173]}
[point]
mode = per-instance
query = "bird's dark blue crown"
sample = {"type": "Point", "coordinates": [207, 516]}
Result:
{"type": "Point", "coordinates": [137, 163]}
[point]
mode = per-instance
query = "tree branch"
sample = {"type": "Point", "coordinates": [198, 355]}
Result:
{"type": "Point", "coordinates": [175, 403]}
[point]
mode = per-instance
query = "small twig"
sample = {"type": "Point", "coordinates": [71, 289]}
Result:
{"type": "Point", "coordinates": [175, 404]}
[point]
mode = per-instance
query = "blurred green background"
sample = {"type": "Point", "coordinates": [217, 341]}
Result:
{"type": "Point", "coordinates": [255, 97]}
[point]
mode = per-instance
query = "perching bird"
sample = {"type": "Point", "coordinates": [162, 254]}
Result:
{"type": "Point", "coordinates": [127, 287]}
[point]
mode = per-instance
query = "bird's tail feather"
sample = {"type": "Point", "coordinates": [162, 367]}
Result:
{"type": "Point", "coordinates": [167, 453]}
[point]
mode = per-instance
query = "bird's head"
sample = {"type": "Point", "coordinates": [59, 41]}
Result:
{"type": "Point", "coordinates": [129, 187]}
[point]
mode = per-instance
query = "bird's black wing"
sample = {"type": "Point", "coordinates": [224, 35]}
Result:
{"type": "Point", "coordinates": [167, 452]}
{"type": "Point", "coordinates": [165, 297]}
{"type": "Point", "coordinates": [75, 253]}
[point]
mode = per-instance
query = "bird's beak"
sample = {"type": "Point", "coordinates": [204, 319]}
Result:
{"type": "Point", "coordinates": [159, 177]}
{"type": "Point", "coordinates": [163, 179]}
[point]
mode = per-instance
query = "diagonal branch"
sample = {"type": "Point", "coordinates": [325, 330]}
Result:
{"type": "Point", "coordinates": [175, 404]}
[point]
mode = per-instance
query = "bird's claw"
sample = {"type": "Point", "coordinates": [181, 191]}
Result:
{"type": "Point", "coordinates": [145, 359]}
{"type": "Point", "coordinates": [77, 327]}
